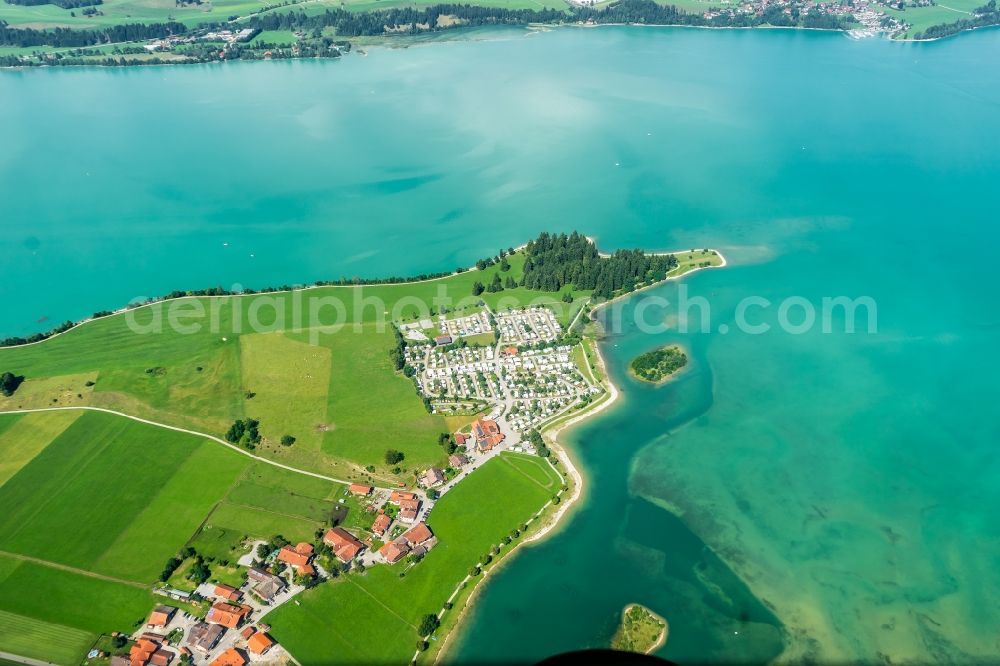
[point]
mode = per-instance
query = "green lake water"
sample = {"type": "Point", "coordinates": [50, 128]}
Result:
{"type": "Point", "coordinates": [821, 494]}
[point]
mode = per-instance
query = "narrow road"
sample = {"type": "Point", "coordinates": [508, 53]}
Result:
{"type": "Point", "coordinates": [66, 567]}
{"type": "Point", "coordinates": [187, 432]}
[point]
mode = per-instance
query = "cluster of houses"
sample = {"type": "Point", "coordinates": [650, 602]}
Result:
{"type": "Point", "coordinates": [171, 635]}
{"type": "Point", "coordinates": [466, 373]}
{"type": "Point", "coordinates": [462, 327]}
{"type": "Point", "coordinates": [487, 435]}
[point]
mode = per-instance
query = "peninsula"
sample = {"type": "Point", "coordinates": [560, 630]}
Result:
{"type": "Point", "coordinates": [331, 463]}
{"type": "Point", "coordinates": [132, 32]}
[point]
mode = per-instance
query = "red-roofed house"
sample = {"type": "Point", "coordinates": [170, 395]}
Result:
{"type": "Point", "coordinates": [299, 558]}
{"type": "Point", "coordinates": [487, 434]}
{"type": "Point", "coordinates": [227, 615]}
{"type": "Point", "coordinates": [142, 651]}
{"type": "Point", "coordinates": [161, 616]}
{"type": "Point", "coordinates": [360, 489]}
{"type": "Point", "coordinates": [408, 509]}
{"type": "Point", "coordinates": [227, 592]}
{"type": "Point", "coordinates": [460, 438]}
{"type": "Point", "coordinates": [381, 524]}
{"type": "Point", "coordinates": [417, 534]}
{"type": "Point", "coordinates": [394, 551]}
{"type": "Point", "coordinates": [396, 496]}
{"type": "Point", "coordinates": [344, 544]}
{"type": "Point", "coordinates": [161, 658]}
{"type": "Point", "coordinates": [260, 643]}
{"type": "Point", "coordinates": [231, 657]}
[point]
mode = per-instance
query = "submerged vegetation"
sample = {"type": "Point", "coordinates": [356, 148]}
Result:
{"type": "Point", "coordinates": [658, 365]}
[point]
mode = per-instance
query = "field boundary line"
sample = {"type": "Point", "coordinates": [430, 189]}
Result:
{"type": "Point", "coordinates": [71, 569]}
{"type": "Point", "coordinates": [213, 438]}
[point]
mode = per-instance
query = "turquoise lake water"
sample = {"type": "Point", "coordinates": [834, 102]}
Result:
{"type": "Point", "coordinates": [829, 495]}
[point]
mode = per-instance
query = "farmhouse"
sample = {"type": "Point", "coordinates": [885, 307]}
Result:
{"type": "Point", "coordinates": [228, 615]}
{"type": "Point", "coordinates": [417, 534]}
{"type": "Point", "coordinates": [231, 657]}
{"type": "Point", "coordinates": [360, 489]}
{"type": "Point", "coordinates": [205, 636]}
{"type": "Point", "coordinates": [408, 510]}
{"type": "Point", "coordinates": [396, 496]}
{"type": "Point", "coordinates": [487, 434]}
{"type": "Point", "coordinates": [227, 592]}
{"type": "Point", "coordinates": [260, 643]}
{"type": "Point", "coordinates": [266, 586]}
{"type": "Point", "coordinates": [432, 477]}
{"type": "Point", "coordinates": [381, 524]}
{"type": "Point", "coordinates": [299, 558]}
{"type": "Point", "coordinates": [161, 616]}
{"type": "Point", "coordinates": [344, 544]}
{"type": "Point", "coordinates": [394, 550]}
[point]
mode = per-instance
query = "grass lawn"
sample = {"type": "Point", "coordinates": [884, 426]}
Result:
{"type": "Point", "coordinates": [40, 600]}
{"type": "Point", "coordinates": [373, 617]}
{"type": "Point", "coordinates": [113, 496]}
{"type": "Point", "coordinates": [22, 437]}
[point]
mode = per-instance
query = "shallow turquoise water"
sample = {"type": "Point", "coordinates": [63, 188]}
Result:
{"type": "Point", "coordinates": [845, 485]}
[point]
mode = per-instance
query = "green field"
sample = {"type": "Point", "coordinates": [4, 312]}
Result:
{"type": "Point", "coordinates": [921, 18]}
{"type": "Point", "coordinates": [315, 377]}
{"type": "Point", "coordinates": [373, 617]}
{"type": "Point", "coordinates": [94, 506]}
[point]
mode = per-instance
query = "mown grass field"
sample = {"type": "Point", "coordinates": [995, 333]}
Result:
{"type": "Point", "coordinates": [374, 617]}
{"type": "Point", "coordinates": [921, 18]}
{"type": "Point", "coordinates": [317, 361]}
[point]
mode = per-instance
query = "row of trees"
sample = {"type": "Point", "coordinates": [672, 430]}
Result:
{"type": "Point", "coordinates": [981, 17]}
{"type": "Point", "coordinates": [65, 4]}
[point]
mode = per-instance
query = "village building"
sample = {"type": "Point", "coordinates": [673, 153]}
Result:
{"type": "Point", "coordinates": [457, 460]}
{"type": "Point", "coordinates": [247, 631]}
{"type": "Point", "coordinates": [265, 585]}
{"type": "Point", "coordinates": [461, 438]}
{"type": "Point", "coordinates": [394, 551]}
{"type": "Point", "coordinates": [204, 637]}
{"type": "Point", "coordinates": [231, 657]}
{"type": "Point", "coordinates": [442, 340]}
{"type": "Point", "coordinates": [260, 643]}
{"type": "Point", "coordinates": [161, 615]}
{"type": "Point", "coordinates": [161, 658]}
{"type": "Point", "coordinates": [396, 496]}
{"type": "Point", "coordinates": [408, 510]}
{"type": "Point", "coordinates": [344, 544]}
{"type": "Point", "coordinates": [299, 558]}
{"type": "Point", "coordinates": [418, 534]}
{"type": "Point", "coordinates": [487, 434]}
{"type": "Point", "coordinates": [142, 651]}
{"type": "Point", "coordinates": [432, 477]}
{"type": "Point", "coordinates": [381, 524]}
{"type": "Point", "coordinates": [227, 592]}
{"type": "Point", "coordinates": [228, 615]}
{"type": "Point", "coordinates": [360, 489]}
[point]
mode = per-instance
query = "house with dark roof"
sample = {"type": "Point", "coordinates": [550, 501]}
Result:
{"type": "Point", "coordinates": [432, 477]}
{"type": "Point", "coordinates": [204, 637]}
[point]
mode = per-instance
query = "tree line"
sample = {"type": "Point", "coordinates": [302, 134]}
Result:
{"type": "Point", "coordinates": [554, 261]}
{"type": "Point", "coordinates": [65, 4]}
{"type": "Point", "coordinates": [982, 17]}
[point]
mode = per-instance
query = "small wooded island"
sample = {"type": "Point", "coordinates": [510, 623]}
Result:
{"type": "Point", "coordinates": [640, 630]}
{"type": "Point", "coordinates": [658, 365]}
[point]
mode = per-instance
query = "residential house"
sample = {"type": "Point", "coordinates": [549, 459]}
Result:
{"type": "Point", "coordinates": [487, 434]}
{"type": "Point", "coordinates": [161, 658]}
{"type": "Point", "coordinates": [432, 477]}
{"type": "Point", "coordinates": [442, 340]}
{"type": "Point", "coordinates": [461, 438]}
{"type": "Point", "coordinates": [396, 496]}
{"type": "Point", "coordinates": [227, 592]}
{"type": "Point", "coordinates": [204, 636]}
{"type": "Point", "coordinates": [231, 657]}
{"type": "Point", "coordinates": [260, 643]}
{"type": "Point", "coordinates": [247, 631]}
{"type": "Point", "coordinates": [457, 460]}
{"type": "Point", "coordinates": [360, 489]}
{"type": "Point", "coordinates": [299, 558]}
{"type": "Point", "coordinates": [142, 651]}
{"type": "Point", "coordinates": [230, 616]}
{"type": "Point", "coordinates": [381, 524]}
{"type": "Point", "coordinates": [344, 544]}
{"type": "Point", "coordinates": [265, 585]}
{"type": "Point", "coordinates": [417, 534]}
{"type": "Point", "coordinates": [394, 551]}
{"type": "Point", "coordinates": [408, 510]}
{"type": "Point", "coordinates": [161, 615]}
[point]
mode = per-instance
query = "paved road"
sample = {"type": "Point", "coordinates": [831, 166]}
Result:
{"type": "Point", "coordinates": [10, 656]}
